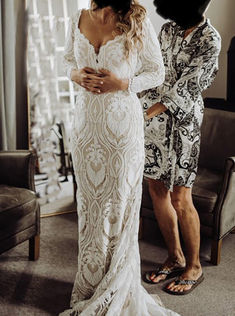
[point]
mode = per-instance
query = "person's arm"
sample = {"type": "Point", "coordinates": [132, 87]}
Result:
{"type": "Point", "coordinates": [79, 76]}
{"type": "Point", "coordinates": [150, 97]}
{"type": "Point", "coordinates": [195, 78]}
{"type": "Point", "coordinates": [155, 110]}
{"type": "Point", "coordinates": [152, 71]}
{"type": "Point", "coordinates": [69, 60]}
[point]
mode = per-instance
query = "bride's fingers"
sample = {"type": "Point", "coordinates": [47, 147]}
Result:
{"type": "Point", "coordinates": [93, 82]}
{"type": "Point", "coordinates": [92, 88]}
{"type": "Point", "coordinates": [89, 70]}
{"type": "Point", "coordinates": [104, 72]}
{"type": "Point", "coordinates": [89, 85]}
{"type": "Point", "coordinates": [95, 90]}
{"type": "Point", "coordinates": [92, 77]}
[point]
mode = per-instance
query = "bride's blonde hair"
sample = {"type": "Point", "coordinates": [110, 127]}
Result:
{"type": "Point", "coordinates": [129, 22]}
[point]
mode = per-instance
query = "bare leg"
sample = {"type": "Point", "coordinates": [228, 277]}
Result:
{"type": "Point", "coordinates": [168, 223]}
{"type": "Point", "coordinates": [182, 202]}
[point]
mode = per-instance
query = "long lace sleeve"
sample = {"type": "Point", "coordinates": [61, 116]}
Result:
{"type": "Point", "coordinates": [152, 72]}
{"type": "Point", "coordinates": [69, 61]}
{"type": "Point", "coordinates": [195, 78]}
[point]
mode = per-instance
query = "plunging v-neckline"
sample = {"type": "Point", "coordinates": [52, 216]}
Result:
{"type": "Point", "coordinates": [88, 41]}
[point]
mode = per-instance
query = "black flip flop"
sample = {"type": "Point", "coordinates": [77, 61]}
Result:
{"type": "Point", "coordinates": [178, 281]}
{"type": "Point", "coordinates": [170, 273]}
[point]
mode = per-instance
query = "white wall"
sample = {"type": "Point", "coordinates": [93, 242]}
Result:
{"type": "Point", "coordinates": [222, 16]}
{"type": "Point", "coordinates": [154, 17]}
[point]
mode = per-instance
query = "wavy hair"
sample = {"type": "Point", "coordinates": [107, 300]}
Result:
{"type": "Point", "coordinates": [130, 16]}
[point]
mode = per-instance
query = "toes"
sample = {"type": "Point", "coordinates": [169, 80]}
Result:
{"type": "Point", "coordinates": [158, 278]}
{"type": "Point", "coordinates": [181, 290]}
{"type": "Point", "coordinates": [152, 276]}
{"type": "Point", "coordinates": [170, 286]}
{"type": "Point", "coordinates": [178, 288]}
{"type": "Point", "coordinates": [174, 288]}
{"type": "Point", "coordinates": [184, 288]}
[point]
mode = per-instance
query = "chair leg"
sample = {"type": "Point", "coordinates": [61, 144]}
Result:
{"type": "Point", "coordinates": [34, 246]}
{"type": "Point", "coordinates": [216, 251]}
{"type": "Point", "coordinates": [141, 228]}
{"type": "Point", "coordinates": [74, 191]}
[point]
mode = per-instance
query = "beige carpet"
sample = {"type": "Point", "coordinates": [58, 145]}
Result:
{"type": "Point", "coordinates": [59, 206]}
{"type": "Point", "coordinates": [64, 202]}
{"type": "Point", "coordinates": [43, 288]}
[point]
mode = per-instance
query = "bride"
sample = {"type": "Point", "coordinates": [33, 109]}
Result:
{"type": "Point", "coordinates": [112, 53]}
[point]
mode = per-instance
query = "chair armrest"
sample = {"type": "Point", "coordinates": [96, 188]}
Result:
{"type": "Point", "coordinates": [225, 208]}
{"type": "Point", "coordinates": [17, 168]}
{"type": "Point", "coordinates": [232, 162]}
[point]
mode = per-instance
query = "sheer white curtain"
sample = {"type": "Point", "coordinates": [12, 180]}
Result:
{"type": "Point", "coordinates": [13, 87]}
{"type": "Point", "coordinates": [51, 94]}
{"type": "Point", "coordinates": [45, 106]}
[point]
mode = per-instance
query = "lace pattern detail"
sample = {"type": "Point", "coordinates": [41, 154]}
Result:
{"type": "Point", "coordinates": [108, 156]}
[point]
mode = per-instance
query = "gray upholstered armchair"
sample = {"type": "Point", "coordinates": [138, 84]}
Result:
{"type": "Point", "coordinates": [214, 188]}
{"type": "Point", "coordinates": [19, 208]}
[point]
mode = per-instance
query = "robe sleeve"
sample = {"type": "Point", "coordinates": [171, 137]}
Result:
{"type": "Point", "coordinates": [195, 78]}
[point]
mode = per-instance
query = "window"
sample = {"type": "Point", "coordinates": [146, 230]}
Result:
{"type": "Point", "coordinates": [52, 95]}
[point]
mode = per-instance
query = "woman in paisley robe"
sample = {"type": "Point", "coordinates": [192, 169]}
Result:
{"type": "Point", "coordinates": [190, 47]}
{"type": "Point", "coordinates": [111, 53]}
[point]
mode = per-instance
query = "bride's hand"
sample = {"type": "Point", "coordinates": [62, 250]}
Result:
{"type": "Point", "coordinates": [87, 78]}
{"type": "Point", "coordinates": [102, 82]}
{"type": "Point", "coordinates": [111, 82]}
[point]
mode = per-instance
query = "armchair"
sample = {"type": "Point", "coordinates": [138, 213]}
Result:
{"type": "Point", "coordinates": [19, 208]}
{"type": "Point", "coordinates": [214, 188]}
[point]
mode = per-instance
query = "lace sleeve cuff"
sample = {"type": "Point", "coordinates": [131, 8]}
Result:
{"type": "Point", "coordinates": [69, 71]}
{"type": "Point", "coordinates": [129, 85]}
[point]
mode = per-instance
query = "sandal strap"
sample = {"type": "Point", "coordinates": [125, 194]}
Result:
{"type": "Point", "coordinates": [166, 272]}
{"type": "Point", "coordinates": [185, 282]}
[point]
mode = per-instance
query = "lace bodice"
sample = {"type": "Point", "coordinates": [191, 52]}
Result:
{"type": "Point", "coordinates": [145, 67]}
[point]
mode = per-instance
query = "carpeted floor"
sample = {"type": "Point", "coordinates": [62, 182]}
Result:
{"type": "Point", "coordinates": [64, 202]}
{"type": "Point", "coordinates": [44, 287]}
{"type": "Point", "coordinates": [59, 206]}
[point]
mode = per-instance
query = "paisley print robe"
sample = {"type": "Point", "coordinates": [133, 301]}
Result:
{"type": "Point", "coordinates": [172, 139]}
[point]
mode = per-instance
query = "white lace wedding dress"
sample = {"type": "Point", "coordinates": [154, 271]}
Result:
{"type": "Point", "coordinates": [108, 156]}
